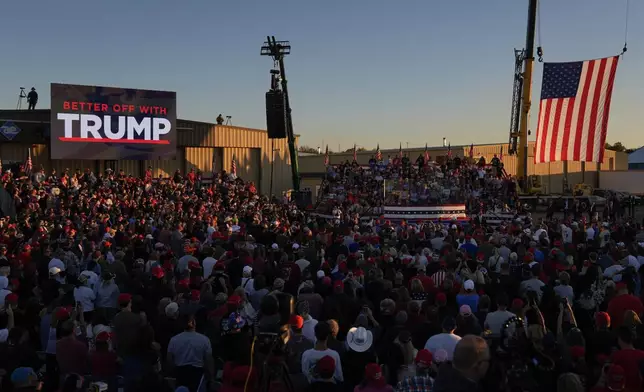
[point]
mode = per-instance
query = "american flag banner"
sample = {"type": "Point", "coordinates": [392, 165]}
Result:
{"type": "Point", "coordinates": [448, 212]}
{"type": "Point", "coordinates": [378, 153]}
{"type": "Point", "coordinates": [29, 165]}
{"type": "Point", "coordinates": [427, 157]}
{"type": "Point", "coordinates": [233, 166]}
{"type": "Point", "coordinates": [326, 157]}
{"type": "Point", "coordinates": [355, 153]}
{"type": "Point", "coordinates": [574, 108]}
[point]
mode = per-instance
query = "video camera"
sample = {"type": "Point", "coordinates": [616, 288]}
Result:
{"type": "Point", "coordinates": [273, 329]}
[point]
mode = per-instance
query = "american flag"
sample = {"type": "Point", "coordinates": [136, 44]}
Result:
{"type": "Point", "coordinates": [378, 153]}
{"type": "Point", "coordinates": [233, 166]}
{"type": "Point", "coordinates": [573, 114]}
{"type": "Point", "coordinates": [427, 157]}
{"type": "Point", "coordinates": [355, 153]}
{"type": "Point", "coordinates": [501, 155]}
{"type": "Point", "coordinates": [326, 157]}
{"type": "Point", "coordinates": [472, 150]}
{"type": "Point", "coordinates": [29, 167]}
{"type": "Point", "coordinates": [449, 150]}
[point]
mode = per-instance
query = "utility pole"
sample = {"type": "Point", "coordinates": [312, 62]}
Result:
{"type": "Point", "coordinates": [277, 50]}
{"type": "Point", "coordinates": [526, 99]}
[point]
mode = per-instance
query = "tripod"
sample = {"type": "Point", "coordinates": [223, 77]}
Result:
{"type": "Point", "coordinates": [21, 96]}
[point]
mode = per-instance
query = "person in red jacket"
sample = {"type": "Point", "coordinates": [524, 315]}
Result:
{"type": "Point", "coordinates": [628, 358]}
{"type": "Point", "coordinates": [622, 302]}
{"type": "Point", "coordinates": [613, 380]}
{"type": "Point", "coordinates": [235, 377]}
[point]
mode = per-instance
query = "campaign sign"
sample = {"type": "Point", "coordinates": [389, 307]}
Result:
{"type": "Point", "coordinates": [109, 123]}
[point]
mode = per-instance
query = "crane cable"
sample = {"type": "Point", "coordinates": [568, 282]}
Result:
{"type": "Point", "coordinates": [625, 48]}
{"type": "Point", "coordinates": [539, 47]}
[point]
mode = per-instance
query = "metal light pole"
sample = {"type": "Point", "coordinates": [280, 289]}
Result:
{"type": "Point", "coordinates": [277, 50]}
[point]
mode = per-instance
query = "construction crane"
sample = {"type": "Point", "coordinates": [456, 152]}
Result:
{"type": "Point", "coordinates": [521, 97]}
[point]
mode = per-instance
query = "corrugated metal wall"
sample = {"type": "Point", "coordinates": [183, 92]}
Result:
{"type": "Point", "coordinates": [510, 161]}
{"type": "Point", "coordinates": [247, 160]}
{"type": "Point", "coordinates": [201, 158]}
{"type": "Point", "coordinates": [129, 167]}
{"type": "Point", "coordinates": [167, 167]}
{"type": "Point", "coordinates": [10, 152]}
{"type": "Point", "coordinates": [193, 134]}
{"type": "Point", "coordinates": [72, 164]}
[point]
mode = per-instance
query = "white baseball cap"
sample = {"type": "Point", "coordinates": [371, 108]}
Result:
{"type": "Point", "coordinates": [468, 285]}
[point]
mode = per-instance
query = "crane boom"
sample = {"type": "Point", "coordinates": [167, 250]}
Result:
{"type": "Point", "coordinates": [526, 102]}
{"type": "Point", "coordinates": [517, 89]}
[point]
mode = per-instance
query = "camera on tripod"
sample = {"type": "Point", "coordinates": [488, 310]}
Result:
{"type": "Point", "coordinates": [273, 329]}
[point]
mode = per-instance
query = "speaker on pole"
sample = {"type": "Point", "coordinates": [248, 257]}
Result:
{"type": "Point", "coordinates": [275, 115]}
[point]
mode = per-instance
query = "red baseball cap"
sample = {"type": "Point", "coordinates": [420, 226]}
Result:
{"type": "Point", "coordinates": [325, 366]}
{"type": "Point", "coordinates": [193, 265]}
{"type": "Point", "coordinates": [157, 272]}
{"type": "Point", "coordinates": [424, 358]}
{"type": "Point", "coordinates": [517, 303]}
{"type": "Point", "coordinates": [602, 319]}
{"type": "Point", "coordinates": [234, 300]}
{"type": "Point", "coordinates": [62, 314]}
{"type": "Point", "coordinates": [195, 295]}
{"type": "Point", "coordinates": [296, 321]}
{"type": "Point", "coordinates": [373, 373]}
{"type": "Point", "coordinates": [103, 336]}
{"type": "Point", "coordinates": [577, 351]}
{"type": "Point", "coordinates": [11, 297]}
{"type": "Point", "coordinates": [184, 283]}
{"type": "Point", "coordinates": [124, 298]}
{"type": "Point", "coordinates": [441, 297]}
{"type": "Point", "coordinates": [338, 284]}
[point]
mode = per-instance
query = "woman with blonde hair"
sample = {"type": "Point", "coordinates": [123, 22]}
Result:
{"type": "Point", "coordinates": [418, 293]}
{"type": "Point", "coordinates": [246, 309]}
{"type": "Point", "coordinates": [633, 321]}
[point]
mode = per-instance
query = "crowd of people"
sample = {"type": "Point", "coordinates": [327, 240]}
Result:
{"type": "Point", "coordinates": [354, 189]}
{"type": "Point", "coordinates": [112, 282]}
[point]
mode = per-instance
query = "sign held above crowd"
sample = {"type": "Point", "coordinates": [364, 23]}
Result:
{"type": "Point", "coordinates": [108, 123]}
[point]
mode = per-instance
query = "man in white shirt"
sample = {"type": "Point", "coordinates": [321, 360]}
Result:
{"type": "Point", "coordinates": [207, 265]}
{"type": "Point", "coordinates": [308, 329]}
{"type": "Point", "coordinates": [312, 356]}
{"type": "Point", "coordinates": [566, 233]}
{"type": "Point", "coordinates": [85, 294]}
{"type": "Point", "coordinates": [4, 283]}
{"type": "Point", "coordinates": [446, 340]}
{"type": "Point", "coordinates": [301, 262]}
{"type": "Point", "coordinates": [495, 320]}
